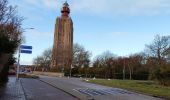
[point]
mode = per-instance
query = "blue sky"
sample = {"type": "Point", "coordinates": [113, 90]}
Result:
{"type": "Point", "coordinates": [120, 26]}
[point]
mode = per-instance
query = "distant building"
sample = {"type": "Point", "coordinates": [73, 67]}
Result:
{"type": "Point", "coordinates": [63, 40]}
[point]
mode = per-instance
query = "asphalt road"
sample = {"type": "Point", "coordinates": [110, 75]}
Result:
{"type": "Point", "coordinates": [89, 91]}
{"type": "Point", "coordinates": [37, 90]}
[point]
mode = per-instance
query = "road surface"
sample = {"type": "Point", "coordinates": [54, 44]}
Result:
{"type": "Point", "coordinates": [37, 90]}
{"type": "Point", "coordinates": [89, 91]}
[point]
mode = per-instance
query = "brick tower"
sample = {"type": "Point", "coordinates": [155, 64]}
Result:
{"type": "Point", "coordinates": [63, 40]}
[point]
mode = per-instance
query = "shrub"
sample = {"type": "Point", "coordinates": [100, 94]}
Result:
{"type": "Point", "coordinates": [54, 70]}
{"type": "Point", "coordinates": [162, 75]}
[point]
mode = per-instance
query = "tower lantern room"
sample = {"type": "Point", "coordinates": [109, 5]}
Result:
{"type": "Point", "coordinates": [65, 10]}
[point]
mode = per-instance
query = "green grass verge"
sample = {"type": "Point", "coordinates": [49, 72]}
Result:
{"type": "Point", "coordinates": [28, 76]}
{"type": "Point", "coordinates": [145, 87]}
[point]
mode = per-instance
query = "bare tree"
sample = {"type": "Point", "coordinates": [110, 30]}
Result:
{"type": "Point", "coordinates": [38, 62]}
{"type": "Point", "coordinates": [160, 48]}
{"type": "Point", "coordinates": [105, 60]}
{"type": "Point", "coordinates": [44, 60]}
{"type": "Point", "coordinates": [81, 57]}
{"type": "Point", "coordinates": [134, 63]}
{"type": "Point", "coordinates": [10, 27]}
{"type": "Point", "coordinates": [47, 57]}
{"type": "Point", "coordinates": [102, 59]}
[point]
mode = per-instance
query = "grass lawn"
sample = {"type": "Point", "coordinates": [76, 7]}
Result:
{"type": "Point", "coordinates": [27, 76]}
{"type": "Point", "coordinates": [145, 87]}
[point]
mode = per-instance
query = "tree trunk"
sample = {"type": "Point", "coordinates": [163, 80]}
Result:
{"type": "Point", "coordinates": [130, 72]}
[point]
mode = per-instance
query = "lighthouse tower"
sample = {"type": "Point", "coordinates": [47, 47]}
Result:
{"type": "Point", "coordinates": [63, 40]}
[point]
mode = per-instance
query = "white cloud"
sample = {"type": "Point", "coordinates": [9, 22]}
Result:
{"type": "Point", "coordinates": [37, 34]}
{"type": "Point", "coordinates": [37, 9]}
{"type": "Point", "coordinates": [108, 7]}
{"type": "Point", "coordinates": [52, 3]}
{"type": "Point", "coordinates": [46, 3]}
{"type": "Point", "coordinates": [112, 7]}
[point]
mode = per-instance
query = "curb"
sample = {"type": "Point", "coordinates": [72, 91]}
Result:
{"type": "Point", "coordinates": [23, 90]}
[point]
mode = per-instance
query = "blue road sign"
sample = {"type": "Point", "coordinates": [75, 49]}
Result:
{"type": "Point", "coordinates": [26, 51]}
{"type": "Point", "coordinates": [25, 47]}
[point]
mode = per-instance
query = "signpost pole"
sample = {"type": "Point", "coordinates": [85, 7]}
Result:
{"type": "Point", "coordinates": [70, 71]}
{"type": "Point", "coordinates": [22, 49]}
{"type": "Point", "coordinates": [18, 63]}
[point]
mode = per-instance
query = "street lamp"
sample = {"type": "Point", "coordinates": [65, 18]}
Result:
{"type": "Point", "coordinates": [19, 51]}
{"type": "Point", "coordinates": [124, 68]}
{"type": "Point", "coordinates": [71, 70]}
{"type": "Point", "coordinates": [29, 28]}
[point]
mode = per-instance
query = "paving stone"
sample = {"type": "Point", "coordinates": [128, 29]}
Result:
{"type": "Point", "coordinates": [12, 90]}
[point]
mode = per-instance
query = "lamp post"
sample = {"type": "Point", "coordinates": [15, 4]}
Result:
{"type": "Point", "coordinates": [71, 70]}
{"type": "Point", "coordinates": [19, 51]}
{"type": "Point", "coordinates": [124, 69]}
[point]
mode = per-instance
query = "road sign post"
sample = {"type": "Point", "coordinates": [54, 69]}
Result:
{"type": "Point", "coordinates": [23, 49]}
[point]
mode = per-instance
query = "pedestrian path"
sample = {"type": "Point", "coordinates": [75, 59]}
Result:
{"type": "Point", "coordinates": [12, 91]}
{"type": "Point", "coordinates": [94, 92]}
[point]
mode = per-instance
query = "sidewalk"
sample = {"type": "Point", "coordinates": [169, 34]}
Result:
{"type": "Point", "coordinates": [12, 91]}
